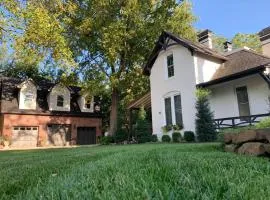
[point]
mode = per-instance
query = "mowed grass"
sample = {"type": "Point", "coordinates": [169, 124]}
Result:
{"type": "Point", "coordinates": [151, 171]}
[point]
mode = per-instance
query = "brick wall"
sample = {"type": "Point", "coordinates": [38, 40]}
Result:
{"type": "Point", "coordinates": [41, 122]}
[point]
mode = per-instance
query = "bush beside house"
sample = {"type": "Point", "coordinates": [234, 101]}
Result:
{"type": "Point", "coordinates": [189, 136]}
{"type": "Point", "coordinates": [205, 128]}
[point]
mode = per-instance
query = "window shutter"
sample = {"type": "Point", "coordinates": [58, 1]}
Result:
{"type": "Point", "coordinates": [178, 110]}
{"type": "Point", "coordinates": [168, 111]}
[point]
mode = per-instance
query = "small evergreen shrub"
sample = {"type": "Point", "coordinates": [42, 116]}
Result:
{"type": "Point", "coordinates": [176, 137]}
{"type": "Point", "coordinates": [106, 140]}
{"type": "Point", "coordinates": [154, 138]}
{"type": "Point", "coordinates": [205, 127]}
{"type": "Point", "coordinates": [189, 136]}
{"type": "Point", "coordinates": [220, 137]}
{"type": "Point", "coordinates": [265, 123]}
{"type": "Point", "coordinates": [166, 138]}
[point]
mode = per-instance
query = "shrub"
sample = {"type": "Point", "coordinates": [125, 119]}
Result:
{"type": "Point", "coordinates": [142, 128]}
{"type": "Point", "coordinates": [176, 137]}
{"type": "Point", "coordinates": [166, 138]}
{"type": "Point", "coordinates": [154, 138]}
{"type": "Point", "coordinates": [205, 127]}
{"type": "Point", "coordinates": [121, 135]}
{"type": "Point", "coordinates": [106, 140]}
{"type": "Point", "coordinates": [265, 123]}
{"type": "Point", "coordinates": [189, 136]}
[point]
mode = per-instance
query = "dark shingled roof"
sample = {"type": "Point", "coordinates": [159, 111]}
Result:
{"type": "Point", "coordinates": [239, 63]}
{"type": "Point", "coordinates": [10, 99]}
{"type": "Point", "coordinates": [265, 34]}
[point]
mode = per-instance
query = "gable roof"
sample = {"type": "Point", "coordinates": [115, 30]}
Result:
{"type": "Point", "coordinates": [240, 63]}
{"type": "Point", "coordinates": [162, 44]}
{"type": "Point", "coordinates": [9, 95]}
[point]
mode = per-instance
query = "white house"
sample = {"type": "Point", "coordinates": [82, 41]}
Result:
{"type": "Point", "coordinates": [238, 79]}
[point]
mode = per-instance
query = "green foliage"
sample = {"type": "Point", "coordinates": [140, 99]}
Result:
{"type": "Point", "coordinates": [205, 128]}
{"type": "Point", "coordinates": [264, 123]}
{"type": "Point", "coordinates": [249, 40]}
{"type": "Point", "coordinates": [91, 171]}
{"type": "Point", "coordinates": [189, 136]}
{"type": "Point", "coordinates": [218, 42]}
{"type": "Point", "coordinates": [143, 133]}
{"type": "Point", "coordinates": [237, 130]}
{"type": "Point", "coordinates": [166, 138]}
{"type": "Point", "coordinates": [154, 138]}
{"type": "Point", "coordinates": [106, 140]}
{"type": "Point", "coordinates": [176, 137]}
{"type": "Point", "coordinates": [121, 135]}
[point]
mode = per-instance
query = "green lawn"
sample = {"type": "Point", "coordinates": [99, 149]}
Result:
{"type": "Point", "coordinates": [152, 171]}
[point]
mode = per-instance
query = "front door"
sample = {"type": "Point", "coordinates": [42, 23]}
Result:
{"type": "Point", "coordinates": [243, 102]}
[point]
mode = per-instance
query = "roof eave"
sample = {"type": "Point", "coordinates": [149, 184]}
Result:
{"type": "Point", "coordinates": [232, 76]}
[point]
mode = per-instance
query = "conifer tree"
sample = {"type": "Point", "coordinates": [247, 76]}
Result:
{"type": "Point", "coordinates": [205, 128]}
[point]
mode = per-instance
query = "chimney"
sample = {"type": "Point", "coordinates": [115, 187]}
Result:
{"type": "Point", "coordinates": [205, 38]}
{"type": "Point", "coordinates": [227, 46]}
{"type": "Point", "coordinates": [265, 40]}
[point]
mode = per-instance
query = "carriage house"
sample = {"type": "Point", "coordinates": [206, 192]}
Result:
{"type": "Point", "coordinates": [47, 114]}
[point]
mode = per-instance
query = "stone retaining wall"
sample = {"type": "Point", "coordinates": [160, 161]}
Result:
{"type": "Point", "coordinates": [249, 142]}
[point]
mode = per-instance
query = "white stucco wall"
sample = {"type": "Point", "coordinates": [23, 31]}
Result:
{"type": "Point", "coordinates": [223, 100]}
{"type": "Point", "coordinates": [52, 98]}
{"type": "Point", "coordinates": [205, 67]}
{"type": "Point", "coordinates": [81, 102]}
{"type": "Point", "coordinates": [28, 88]}
{"type": "Point", "coordinates": [182, 82]}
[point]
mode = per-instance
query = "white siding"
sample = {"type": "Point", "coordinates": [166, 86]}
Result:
{"type": "Point", "coordinates": [27, 89]}
{"type": "Point", "coordinates": [52, 98]}
{"type": "Point", "coordinates": [223, 100]}
{"type": "Point", "coordinates": [182, 82]}
{"type": "Point", "coordinates": [81, 102]}
{"type": "Point", "coordinates": [205, 68]}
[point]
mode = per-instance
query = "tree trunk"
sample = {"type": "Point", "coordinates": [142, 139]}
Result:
{"type": "Point", "coordinates": [114, 112]}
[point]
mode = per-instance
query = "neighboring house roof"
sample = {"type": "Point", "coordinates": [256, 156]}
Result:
{"type": "Point", "coordinates": [10, 99]}
{"type": "Point", "coordinates": [163, 43]}
{"type": "Point", "coordinates": [240, 63]}
{"type": "Point", "coordinates": [265, 34]}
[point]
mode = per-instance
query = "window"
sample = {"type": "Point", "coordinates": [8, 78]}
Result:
{"type": "Point", "coordinates": [168, 111]}
{"type": "Point", "coordinates": [170, 66]}
{"type": "Point", "coordinates": [243, 103]}
{"type": "Point", "coordinates": [178, 110]}
{"type": "Point", "coordinates": [87, 103]}
{"type": "Point", "coordinates": [60, 101]}
{"type": "Point", "coordinates": [28, 97]}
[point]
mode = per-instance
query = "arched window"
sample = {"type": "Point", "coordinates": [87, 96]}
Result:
{"type": "Point", "coordinates": [60, 101]}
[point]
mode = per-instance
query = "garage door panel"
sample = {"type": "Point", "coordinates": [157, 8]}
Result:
{"type": "Point", "coordinates": [58, 134]}
{"type": "Point", "coordinates": [86, 135]}
{"type": "Point", "coordinates": [24, 137]}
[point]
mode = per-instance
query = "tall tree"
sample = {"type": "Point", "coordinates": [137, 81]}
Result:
{"type": "Point", "coordinates": [111, 37]}
{"type": "Point", "coordinates": [249, 40]}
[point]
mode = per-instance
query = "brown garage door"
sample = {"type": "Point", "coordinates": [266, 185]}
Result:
{"type": "Point", "coordinates": [86, 135]}
{"type": "Point", "coordinates": [59, 134]}
{"type": "Point", "coordinates": [24, 136]}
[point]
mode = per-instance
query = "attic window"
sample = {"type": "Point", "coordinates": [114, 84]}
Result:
{"type": "Point", "coordinates": [170, 66]}
{"type": "Point", "coordinates": [87, 103]}
{"type": "Point", "coordinates": [60, 101]}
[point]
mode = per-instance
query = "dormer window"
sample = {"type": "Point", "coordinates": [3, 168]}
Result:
{"type": "Point", "coordinates": [170, 66]}
{"type": "Point", "coordinates": [27, 95]}
{"type": "Point", "coordinates": [87, 104]}
{"type": "Point", "coordinates": [60, 101]}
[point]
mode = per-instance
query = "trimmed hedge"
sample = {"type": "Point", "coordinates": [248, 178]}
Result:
{"type": "Point", "coordinates": [176, 137]}
{"type": "Point", "coordinates": [166, 138]}
{"type": "Point", "coordinates": [189, 136]}
{"type": "Point", "coordinates": [154, 138]}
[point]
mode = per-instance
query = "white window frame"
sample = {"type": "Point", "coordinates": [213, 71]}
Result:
{"type": "Point", "coordinates": [167, 66]}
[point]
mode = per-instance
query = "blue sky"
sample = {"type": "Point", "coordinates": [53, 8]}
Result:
{"type": "Point", "coordinates": [228, 17]}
